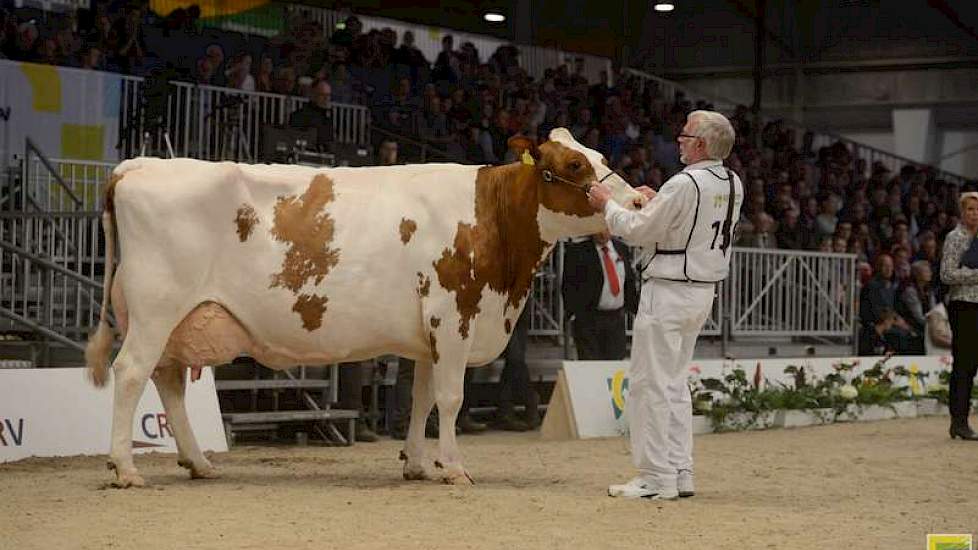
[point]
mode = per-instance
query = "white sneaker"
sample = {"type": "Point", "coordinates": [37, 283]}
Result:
{"type": "Point", "coordinates": [684, 481]}
{"type": "Point", "coordinates": [639, 487]}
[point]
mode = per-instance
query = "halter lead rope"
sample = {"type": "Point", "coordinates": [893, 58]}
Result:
{"type": "Point", "coordinates": [549, 176]}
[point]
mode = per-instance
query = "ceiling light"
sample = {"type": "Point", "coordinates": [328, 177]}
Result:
{"type": "Point", "coordinates": [494, 17]}
{"type": "Point", "coordinates": [664, 6]}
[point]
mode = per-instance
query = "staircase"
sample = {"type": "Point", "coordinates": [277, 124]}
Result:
{"type": "Point", "coordinates": [51, 258]}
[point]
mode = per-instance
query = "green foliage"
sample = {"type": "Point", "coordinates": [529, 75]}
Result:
{"type": "Point", "coordinates": [940, 390]}
{"type": "Point", "coordinates": [733, 402]}
{"type": "Point", "coordinates": [740, 404]}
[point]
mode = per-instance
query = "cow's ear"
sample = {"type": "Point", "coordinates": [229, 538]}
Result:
{"type": "Point", "coordinates": [525, 148]}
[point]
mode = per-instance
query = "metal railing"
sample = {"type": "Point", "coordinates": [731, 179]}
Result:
{"type": "Point", "coordinates": [52, 261]}
{"type": "Point", "coordinates": [714, 323]}
{"type": "Point", "coordinates": [870, 156]}
{"type": "Point", "coordinates": [56, 189]}
{"type": "Point", "coordinates": [781, 293]}
{"type": "Point", "coordinates": [546, 303]}
{"type": "Point", "coordinates": [791, 293]}
{"type": "Point", "coordinates": [214, 123]}
{"type": "Point", "coordinates": [51, 251]}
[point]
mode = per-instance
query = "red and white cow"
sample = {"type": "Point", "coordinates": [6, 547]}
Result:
{"type": "Point", "coordinates": [295, 265]}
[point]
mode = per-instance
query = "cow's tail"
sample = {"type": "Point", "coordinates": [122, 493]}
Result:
{"type": "Point", "coordinates": [99, 348]}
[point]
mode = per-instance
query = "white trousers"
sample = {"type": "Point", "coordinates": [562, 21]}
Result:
{"type": "Point", "coordinates": [660, 413]}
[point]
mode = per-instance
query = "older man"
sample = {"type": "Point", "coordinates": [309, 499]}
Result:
{"type": "Point", "coordinates": [686, 230]}
{"type": "Point", "coordinates": [317, 113]}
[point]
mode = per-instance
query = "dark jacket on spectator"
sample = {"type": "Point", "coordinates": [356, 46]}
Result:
{"type": "Point", "coordinates": [312, 116]}
{"type": "Point", "coordinates": [871, 343]}
{"type": "Point", "coordinates": [877, 296]}
{"type": "Point", "coordinates": [793, 238]}
{"type": "Point", "coordinates": [584, 277]}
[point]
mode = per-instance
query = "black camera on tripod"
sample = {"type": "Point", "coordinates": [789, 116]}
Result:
{"type": "Point", "coordinates": [144, 129]}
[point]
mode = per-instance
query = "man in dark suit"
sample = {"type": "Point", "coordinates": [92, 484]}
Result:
{"type": "Point", "coordinates": [599, 287]}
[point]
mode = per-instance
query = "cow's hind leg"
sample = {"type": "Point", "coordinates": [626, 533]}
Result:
{"type": "Point", "coordinates": [422, 399]}
{"type": "Point", "coordinates": [133, 366]}
{"type": "Point", "coordinates": [171, 382]}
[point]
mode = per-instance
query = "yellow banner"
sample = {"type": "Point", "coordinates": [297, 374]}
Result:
{"type": "Point", "coordinates": [45, 85]}
{"type": "Point", "coordinates": [82, 141]}
{"type": "Point", "coordinates": [208, 8]}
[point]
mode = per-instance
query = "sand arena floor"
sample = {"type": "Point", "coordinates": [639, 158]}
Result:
{"type": "Point", "coordinates": [868, 485]}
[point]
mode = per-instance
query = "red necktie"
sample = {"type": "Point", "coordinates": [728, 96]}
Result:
{"type": "Point", "coordinates": [609, 268]}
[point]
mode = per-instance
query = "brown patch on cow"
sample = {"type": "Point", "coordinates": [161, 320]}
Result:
{"type": "Point", "coordinates": [572, 165]}
{"type": "Point", "coordinates": [508, 325]}
{"type": "Point", "coordinates": [456, 273]}
{"type": "Point", "coordinates": [434, 346]}
{"type": "Point", "coordinates": [424, 285]}
{"type": "Point", "coordinates": [246, 221]}
{"type": "Point", "coordinates": [303, 223]}
{"type": "Point", "coordinates": [408, 227]}
{"type": "Point", "coordinates": [435, 322]}
{"type": "Point", "coordinates": [108, 199]}
{"type": "Point", "coordinates": [311, 309]}
{"type": "Point", "coordinates": [503, 249]}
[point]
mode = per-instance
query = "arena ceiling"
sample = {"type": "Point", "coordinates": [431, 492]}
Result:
{"type": "Point", "coordinates": [704, 33]}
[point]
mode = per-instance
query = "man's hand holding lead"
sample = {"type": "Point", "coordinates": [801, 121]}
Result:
{"type": "Point", "coordinates": [598, 196]}
{"type": "Point", "coordinates": [646, 191]}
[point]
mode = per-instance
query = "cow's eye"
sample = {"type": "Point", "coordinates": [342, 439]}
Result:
{"type": "Point", "coordinates": [575, 165]}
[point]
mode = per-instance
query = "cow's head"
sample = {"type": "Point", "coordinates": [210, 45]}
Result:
{"type": "Point", "coordinates": [566, 169]}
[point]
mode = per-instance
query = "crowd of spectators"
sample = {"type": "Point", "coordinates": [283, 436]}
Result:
{"type": "Point", "coordinates": [826, 200]}
{"type": "Point", "coordinates": [468, 105]}
{"type": "Point", "coordinates": [104, 38]}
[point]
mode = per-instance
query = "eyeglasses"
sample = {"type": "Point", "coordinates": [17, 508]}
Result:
{"type": "Point", "coordinates": [687, 136]}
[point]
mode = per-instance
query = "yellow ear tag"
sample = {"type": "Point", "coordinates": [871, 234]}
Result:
{"type": "Point", "coordinates": [527, 158]}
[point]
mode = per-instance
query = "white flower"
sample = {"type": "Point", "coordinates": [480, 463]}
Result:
{"type": "Point", "coordinates": [847, 392]}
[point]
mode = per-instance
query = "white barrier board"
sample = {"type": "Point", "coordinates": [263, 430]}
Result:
{"type": "Point", "coordinates": [589, 397]}
{"type": "Point", "coordinates": [57, 412]}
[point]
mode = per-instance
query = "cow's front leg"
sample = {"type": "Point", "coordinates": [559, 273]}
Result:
{"type": "Point", "coordinates": [422, 399]}
{"type": "Point", "coordinates": [449, 379]}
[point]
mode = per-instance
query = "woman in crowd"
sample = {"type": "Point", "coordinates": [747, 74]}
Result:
{"type": "Point", "coordinates": [959, 270]}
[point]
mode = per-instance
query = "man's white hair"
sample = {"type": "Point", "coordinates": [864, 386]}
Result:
{"type": "Point", "coordinates": [716, 131]}
{"type": "Point", "coordinates": [965, 197]}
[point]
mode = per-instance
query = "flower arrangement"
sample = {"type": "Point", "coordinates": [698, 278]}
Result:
{"type": "Point", "coordinates": [736, 402]}
{"type": "Point", "coordinates": [940, 390]}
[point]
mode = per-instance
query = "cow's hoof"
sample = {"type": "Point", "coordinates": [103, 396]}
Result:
{"type": "Point", "coordinates": [127, 480]}
{"type": "Point", "coordinates": [200, 471]}
{"type": "Point", "coordinates": [415, 472]}
{"type": "Point", "coordinates": [206, 473]}
{"type": "Point", "coordinates": [457, 477]}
